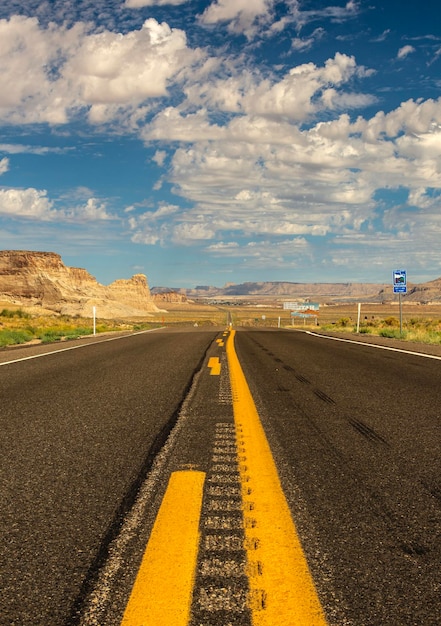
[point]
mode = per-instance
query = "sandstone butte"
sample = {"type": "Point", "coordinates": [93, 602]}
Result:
{"type": "Point", "coordinates": [40, 279]}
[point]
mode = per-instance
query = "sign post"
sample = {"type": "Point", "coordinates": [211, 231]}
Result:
{"type": "Point", "coordinates": [399, 279]}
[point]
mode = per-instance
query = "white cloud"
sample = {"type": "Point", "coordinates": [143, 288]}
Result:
{"type": "Point", "coordinates": [188, 233]}
{"type": "Point", "coordinates": [49, 74]}
{"type": "Point", "coordinates": [302, 45]}
{"type": "Point", "coordinates": [253, 18]}
{"type": "Point", "coordinates": [4, 165]}
{"type": "Point", "coordinates": [384, 35]}
{"type": "Point", "coordinates": [112, 70]}
{"type": "Point", "coordinates": [301, 17]}
{"type": "Point", "coordinates": [152, 227]}
{"type": "Point", "coordinates": [138, 4]}
{"type": "Point", "coordinates": [421, 198]}
{"type": "Point", "coordinates": [244, 16]}
{"type": "Point", "coordinates": [34, 204]}
{"type": "Point", "coordinates": [93, 211]}
{"type": "Point", "coordinates": [405, 51]}
{"type": "Point", "coordinates": [312, 182]}
{"type": "Point", "coordinates": [28, 64]}
{"type": "Point", "coordinates": [265, 252]}
{"type": "Point", "coordinates": [17, 148]}
{"type": "Point", "coordinates": [159, 157]}
{"type": "Point", "coordinates": [27, 203]}
{"type": "Point", "coordinates": [303, 91]}
{"type": "Point", "coordinates": [246, 150]}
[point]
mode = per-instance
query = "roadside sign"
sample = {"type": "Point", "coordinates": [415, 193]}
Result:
{"type": "Point", "coordinates": [303, 315]}
{"type": "Point", "coordinates": [301, 306]}
{"type": "Point", "coordinates": [399, 281]}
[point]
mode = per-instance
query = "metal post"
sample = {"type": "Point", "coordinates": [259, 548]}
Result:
{"type": "Point", "coordinates": [94, 320]}
{"type": "Point", "coordinates": [358, 317]}
{"type": "Point", "coordinates": [401, 315]}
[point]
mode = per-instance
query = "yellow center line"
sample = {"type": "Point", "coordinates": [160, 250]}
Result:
{"type": "Point", "coordinates": [162, 593]}
{"type": "Point", "coordinates": [282, 591]}
{"type": "Point", "coordinates": [214, 365]}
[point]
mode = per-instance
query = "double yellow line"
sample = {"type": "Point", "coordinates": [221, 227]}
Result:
{"type": "Point", "coordinates": [282, 591]}
{"type": "Point", "coordinates": [282, 583]}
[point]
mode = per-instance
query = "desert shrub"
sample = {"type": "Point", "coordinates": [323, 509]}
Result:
{"type": "Point", "coordinates": [13, 337]}
{"type": "Point", "coordinates": [424, 336]}
{"type": "Point", "coordinates": [344, 321]}
{"type": "Point", "coordinates": [48, 335]}
{"type": "Point", "coordinates": [391, 321]}
{"type": "Point", "coordinates": [9, 313]}
{"type": "Point", "coordinates": [365, 330]}
{"type": "Point", "coordinates": [73, 333]}
{"type": "Point", "coordinates": [392, 333]}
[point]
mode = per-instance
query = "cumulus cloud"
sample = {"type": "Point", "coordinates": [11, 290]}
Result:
{"type": "Point", "coordinates": [49, 74]}
{"type": "Point", "coordinates": [94, 210]}
{"type": "Point", "coordinates": [262, 154]}
{"type": "Point", "coordinates": [243, 16]}
{"type": "Point", "coordinates": [154, 226]}
{"type": "Point", "coordinates": [255, 18]}
{"type": "Point", "coordinates": [317, 181]}
{"type": "Point", "coordinates": [34, 204]}
{"type": "Point", "coordinates": [29, 203]}
{"type": "Point", "coordinates": [303, 91]}
{"type": "Point", "coordinates": [113, 69]}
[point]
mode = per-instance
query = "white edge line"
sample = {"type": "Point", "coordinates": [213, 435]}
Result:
{"type": "Point", "coordinates": [374, 345]}
{"type": "Point", "coordinates": [83, 345]}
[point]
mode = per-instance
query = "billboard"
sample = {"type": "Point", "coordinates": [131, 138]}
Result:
{"type": "Point", "coordinates": [310, 307]}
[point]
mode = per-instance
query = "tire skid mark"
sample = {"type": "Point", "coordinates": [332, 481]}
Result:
{"type": "Point", "coordinates": [324, 396]}
{"type": "Point", "coordinates": [367, 431]}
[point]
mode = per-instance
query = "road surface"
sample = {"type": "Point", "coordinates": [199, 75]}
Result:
{"type": "Point", "coordinates": [98, 439]}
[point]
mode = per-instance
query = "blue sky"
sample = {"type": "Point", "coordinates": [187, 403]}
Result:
{"type": "Point", "coordinates": [216, 141]}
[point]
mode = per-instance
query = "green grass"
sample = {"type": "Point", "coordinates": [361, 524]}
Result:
{"type": "Point", "coordinates": [9, 313]}
{"type": "Point", "coordinates": [422, 330]}
{"type": "Point", "coordinates": [19, 327]}
{"type": "Point", "coordinates": [14, 337]}
{"type": "Point", "coordinates": [57, 334]}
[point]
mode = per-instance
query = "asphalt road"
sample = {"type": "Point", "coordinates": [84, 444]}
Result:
{"type": "Point", "coordinates": [355, 432]}
{"type": "Point", "coordinates": [357, 435]}
{"type": "Point", "coordinates": [79, 429]}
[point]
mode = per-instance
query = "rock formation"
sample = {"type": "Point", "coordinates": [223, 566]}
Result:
{"type": "Point", "coordinates": [427, 293]}
{"type": "Point", "coordinates": [169, 296]}
{"type": "Point", "coordinates": [41, 279]}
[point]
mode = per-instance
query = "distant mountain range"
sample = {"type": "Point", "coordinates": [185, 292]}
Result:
{"type": "Point", "coordinates": [345, 292]}
{"type": "Point", "coordinates": [41, 279]}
